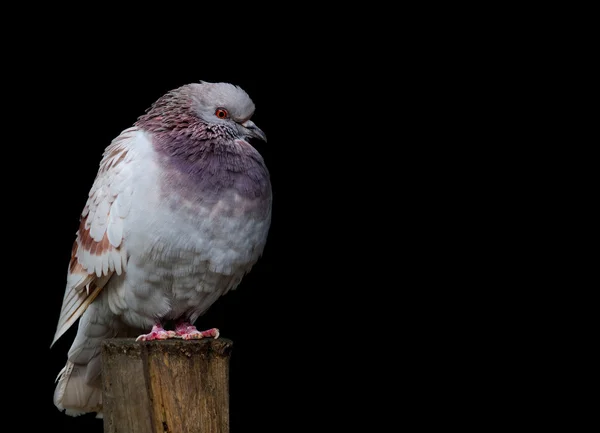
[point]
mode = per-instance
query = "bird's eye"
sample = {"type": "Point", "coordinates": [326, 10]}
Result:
{"type": "Point", "coordinates": [221, 113]}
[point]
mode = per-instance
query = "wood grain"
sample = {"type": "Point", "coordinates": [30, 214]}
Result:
{"type": "Point", "coordinates": [168, 386]}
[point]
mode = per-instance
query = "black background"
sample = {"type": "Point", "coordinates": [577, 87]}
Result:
{"type": "Point", "coordinates": [382, 293]}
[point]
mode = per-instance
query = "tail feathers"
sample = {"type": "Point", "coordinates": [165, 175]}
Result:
{"type": "Point", "coordinates": [79, 387]}
{"type": "Point", "coordinates": [73, 394]}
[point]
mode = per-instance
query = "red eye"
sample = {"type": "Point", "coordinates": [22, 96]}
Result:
{"type": "Point", "coordinates": [221, 113]}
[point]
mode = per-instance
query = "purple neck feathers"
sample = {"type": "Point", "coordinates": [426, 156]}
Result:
{"type": "Point", "coordinates": [208, 156]}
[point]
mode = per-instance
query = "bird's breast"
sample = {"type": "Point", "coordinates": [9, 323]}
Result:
{"type": "Point", "coordinates": [221, 233]}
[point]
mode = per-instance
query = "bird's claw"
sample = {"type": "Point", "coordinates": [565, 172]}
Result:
{"type": "Point", "coordinates": [189, 332]}
{"type": "Point", "coordinates": [157, 333]}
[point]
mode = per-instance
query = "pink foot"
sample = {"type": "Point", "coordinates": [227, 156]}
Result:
{"type": "Point", "coordinates": [189, 332]}
{"type": "Point", "coordinates": [157, 333]}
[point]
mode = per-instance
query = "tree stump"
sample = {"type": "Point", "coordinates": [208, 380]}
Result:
{"type": "Point", "coordinates": [168, 386]}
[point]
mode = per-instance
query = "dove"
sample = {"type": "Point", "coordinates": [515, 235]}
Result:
{"type": "Point", "coordinates": [178, 213]}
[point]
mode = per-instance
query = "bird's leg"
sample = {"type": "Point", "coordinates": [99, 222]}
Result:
{"type": "Point", "coordinates": [157, 333]}
{"type": "Point", "coordinates": [187, 331]}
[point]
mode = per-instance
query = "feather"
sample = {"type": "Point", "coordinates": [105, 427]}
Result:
{"type": "Point", "coordinates": [116, 261]}
{"type": "Point", "coordinates": [114, 229]}
{"type": "Point", "coordinates": [104, 264]}
{"type": "Point", "coordinates": [123, 203]}
{"type": "Point", "coordinates": [74, 311]}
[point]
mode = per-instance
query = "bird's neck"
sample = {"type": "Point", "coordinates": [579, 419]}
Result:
{"type": "Point", "coordinates": [217, 163]}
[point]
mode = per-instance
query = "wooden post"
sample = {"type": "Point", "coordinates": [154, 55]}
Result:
{"type": "Point", "coordinates": [168, 386]}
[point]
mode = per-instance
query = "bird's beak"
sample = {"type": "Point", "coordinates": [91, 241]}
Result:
{"type": "Point", "coordinates": [254, 131]}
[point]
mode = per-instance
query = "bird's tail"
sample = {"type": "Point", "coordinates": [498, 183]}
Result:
{"type": "Point", "coordinates": [73, 394]}
{"type": "Point", "coordinates": [79, 387]}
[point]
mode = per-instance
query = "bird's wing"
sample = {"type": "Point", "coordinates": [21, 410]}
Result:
{"type": "Point", "coordinates": [98, 251]}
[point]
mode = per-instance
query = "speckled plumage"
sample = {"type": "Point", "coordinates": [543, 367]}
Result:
{"type": "Point", "coordinates": [178, 214]}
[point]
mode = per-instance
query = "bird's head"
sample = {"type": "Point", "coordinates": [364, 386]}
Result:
{"type": "Point", "coordinates": [204, 110]}
{"type": "Point", "coordinates": [225, 105]}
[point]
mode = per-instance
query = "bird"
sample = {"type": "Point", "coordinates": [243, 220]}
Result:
{"type": "Point", "coordinates": [178, 213]}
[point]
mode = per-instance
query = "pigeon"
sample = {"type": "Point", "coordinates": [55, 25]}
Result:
{"type": "Point", "coordinates": [178, 213]}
